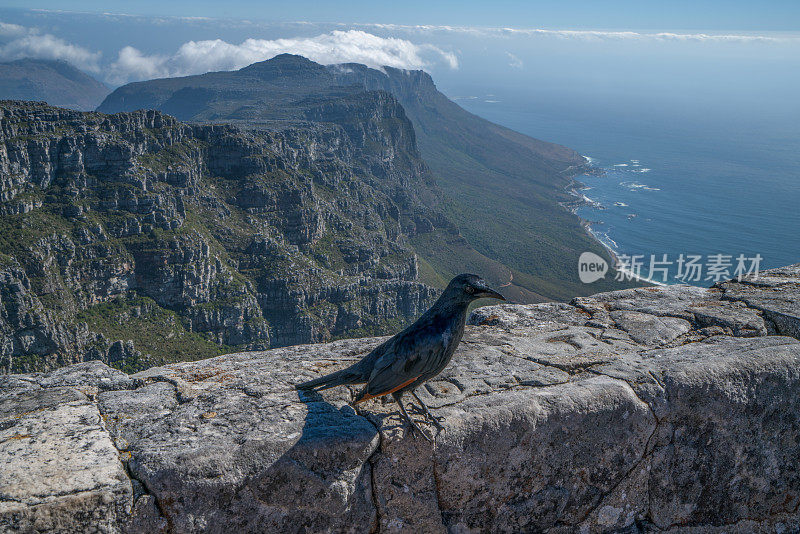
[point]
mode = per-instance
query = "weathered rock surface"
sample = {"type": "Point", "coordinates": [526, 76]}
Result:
{"type": "Point", "coordinates": [624, 412]}
{"type": "Point", "coordinates": [776, 294]}
{"type": "Point", "coordinates": [60, 471]}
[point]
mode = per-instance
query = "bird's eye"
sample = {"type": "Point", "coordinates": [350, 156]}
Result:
{"type": "Point", "coordinates": [470, 290]}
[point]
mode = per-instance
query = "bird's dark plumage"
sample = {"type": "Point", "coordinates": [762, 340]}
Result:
{"type": "Point", "coordinates": [416, 354]}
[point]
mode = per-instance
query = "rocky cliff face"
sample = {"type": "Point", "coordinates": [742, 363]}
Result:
{"type": "Point", "coordinates": [671, 409]}
{"type": "Point", "coordinates": [137, 239]}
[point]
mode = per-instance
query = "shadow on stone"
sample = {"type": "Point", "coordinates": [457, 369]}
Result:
{"type": "Point", "coordinates": [322, 482]}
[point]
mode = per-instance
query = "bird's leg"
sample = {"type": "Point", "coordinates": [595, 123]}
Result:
{"type": "Point", "coordinates": [399, 398]}
{"type": "Point", "coordinates": [436, 420]}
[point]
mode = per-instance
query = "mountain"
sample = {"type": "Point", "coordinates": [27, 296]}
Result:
{"type": "Point", "coordinates": [504, 191]}
{"type": "Point", "coordinates": [56, 82]}
{"type": "Point", "coordinates": [137, 240]}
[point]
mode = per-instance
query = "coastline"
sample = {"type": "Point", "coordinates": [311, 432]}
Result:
{"type": "Point", "coordinates": [574, 188]}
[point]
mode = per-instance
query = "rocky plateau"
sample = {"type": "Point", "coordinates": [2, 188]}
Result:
{"type": "Point", "coordinates": [661, 409]}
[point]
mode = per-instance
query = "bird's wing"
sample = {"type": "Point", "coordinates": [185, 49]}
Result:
{"type": "Point", "coordinates": [405, 359]}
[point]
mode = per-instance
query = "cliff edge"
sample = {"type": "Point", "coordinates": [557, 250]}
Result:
{"type": "Point", "coordinates": [645, 410]}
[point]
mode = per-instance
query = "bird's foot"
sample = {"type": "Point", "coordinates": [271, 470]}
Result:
{"type": "Point", "coordinates": [437, 422]}
{"type": "Point", "coordinates": [414, 425]}
{"type": "Point", "coordinates": [429, 417]}
{"type": "Point", "coordinates": [424, 410]}
{"type": "Point", "coordinates": [437, 418]}
{"type": "Point", "coordinates": [415, 428]}
{"type": "Point", "coordinates": [433, 421]}
{"type": "Point", "coordinates": [416, 410]}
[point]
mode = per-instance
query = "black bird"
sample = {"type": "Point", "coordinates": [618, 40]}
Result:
{"type": "Point", "coordinates": [415, 355]}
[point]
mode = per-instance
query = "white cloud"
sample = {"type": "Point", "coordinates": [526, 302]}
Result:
{"type": "Point", "coordinates": [514, 62]}
{"type": "Point", "coordinates": [586, 34]}
{"type": "Point", "coordinates": [18, 42]}
{"type": "Point", "coordinates": [132, 64]}
{"type": "Point", "coordinates": [353, 46]}
{"type": "Point", "coordinates": [11, 31]}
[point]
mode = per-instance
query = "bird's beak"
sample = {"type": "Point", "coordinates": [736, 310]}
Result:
{"type": "Point", "coordinates": [491, 294]}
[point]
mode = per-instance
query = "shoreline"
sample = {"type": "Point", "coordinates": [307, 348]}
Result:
{"type": "Point", "coordinates": [581, 200]}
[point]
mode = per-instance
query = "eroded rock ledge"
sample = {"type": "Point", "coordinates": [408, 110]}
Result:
{"type": "Point", "coordinates": [661, 409]}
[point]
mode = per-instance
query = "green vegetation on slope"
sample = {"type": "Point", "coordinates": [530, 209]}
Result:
{"type": "Point", "coordinates": [504, 192]}
{"type": "Point", "coordinates": [160, 335]}
{"type": "Point", "coordinates": [151, 241]}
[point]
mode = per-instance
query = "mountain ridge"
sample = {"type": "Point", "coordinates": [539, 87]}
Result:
{"type": "Point", "coordinates": [55, 81]}
{"type": "Point", "coordinates": [504, 190]}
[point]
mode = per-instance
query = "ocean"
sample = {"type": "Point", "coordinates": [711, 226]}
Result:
{"type": "Point", "coordinates": [716, 180]}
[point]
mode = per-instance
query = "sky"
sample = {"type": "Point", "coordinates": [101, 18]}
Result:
{"type": "Point", "coordinates": [574, 42]}
{"type": "Point", "coordinates": [776, 15]}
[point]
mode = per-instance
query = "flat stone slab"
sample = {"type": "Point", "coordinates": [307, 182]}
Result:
{"type": "Point", "coordinates": [529, 443]}
{"type": "Point", "coordinates": [775, 292]}
{"type": "Point", "coordinates": [59, 470]}
{"type": "Point", "coordinates": [650, 330]}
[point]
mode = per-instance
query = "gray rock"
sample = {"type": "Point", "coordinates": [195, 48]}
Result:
{"type": "Point", "coordinates": [91, 377]}
{"type": "Point", "coordinates": [650, 330]}
{"type": "Point", "coordinates": [659, 422]}
{"type": "Point", "coordinates": [734, 318]}
{"type": "Point", "coordinates": [59, 471]}
{"type": "Point", "coordinates": [774, 292]}
{"type": "Point", "coordinates": [512, 316]}
{"type": "Point", "coordinates": [232, 238]}
{"type": "Point", "coordinates": [672, 301]}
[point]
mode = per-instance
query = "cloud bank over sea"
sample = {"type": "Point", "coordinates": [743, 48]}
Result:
{"type": "Point", "coordinates": [17, 42]}
{"type": "Point", "coordinates": [129, 48]}
{"type": "Point", "coordinates": [200, 56]}
{"type": "Point", "coordinates": [352, 46]}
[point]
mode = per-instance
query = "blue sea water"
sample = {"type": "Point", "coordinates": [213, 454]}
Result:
{"type": "Point", "coordinates": [702, 179]}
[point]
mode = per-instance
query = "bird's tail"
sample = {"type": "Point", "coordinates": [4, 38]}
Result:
{"type": "Point", "coordinates": [339, 378]}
